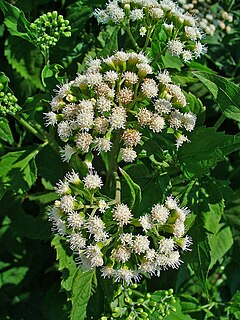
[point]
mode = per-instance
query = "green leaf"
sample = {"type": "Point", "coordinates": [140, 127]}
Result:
{"type": "Point", "coordinates": [135, 190]}
{"type": "Point", "coordinates": [18, 170]}
{"type": "Point", "coordinates": [49, 165]}
{"type": "Point", "coordinates": [234, 308]}
{"type": "Point", "coordinates": [15, 21]}
{"type": "Point", "coordinates": [220, 243]}
{"type": "Point", "coordinates": [170, 61]}
{"type": "Point", "coordinates": [25, 59]}
{"type": "Point", "coordinates": [81, 291]}
{"type": "Point", "coordinates": [66, 262]}
{"type": "Point", "coordinates": [199, 260]}
{"type": "Point", "coordinates": [5, 131]}
{"type": "Point", "coordinates": [13, 275]}
{"type": "Point", "coordinates": [206, 149]}
{"type": "Point", "coordinates": [76, 281]}
{"type": "Point", "coordinates": [3, 79]}
{"type": "Point", "coordinates": [225, 93]}
{"type": "Point", "coordinates": [109, 40]}
{"type": "Point", "coordinates": [50, 75]}
{"type": "Point", "coordinates": [178, 314]}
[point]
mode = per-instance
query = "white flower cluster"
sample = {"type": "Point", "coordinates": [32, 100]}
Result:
{"type": "Point", "coordinates": [211, 17]}
{"type": "Point", "coordinates": [89, 110]}
{"type": "Point", "coordinates": [104, 234]}
{"type": "Point", "coordinates": [183, 35]}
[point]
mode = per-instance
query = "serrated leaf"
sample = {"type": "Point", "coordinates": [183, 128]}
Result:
{"type": "Point", "coordinates": [5, 131]}
{"type": "Point", "coordinates": [66, 262]}
{"type": "Point", "coordinates": [220, 243]}
{"type": "Point", "coordinates": [135, 190]}
{"type": "Point", "coordinates": [199, 260]}
{"type": "Point", "coordinates": [206, 149]}
{"type": "Point", "coordinates": [15, 21]}
{"type": "Point", "coordinates": [18, 170]}
{"type": "Point", "coordinates": [76, 281]}
{"type": "Point", "coordinates": [81, 291]}
{"type": "Point", "coordinates": [225, 93]}
{"type": "Point", "coordinates": [25, 59]}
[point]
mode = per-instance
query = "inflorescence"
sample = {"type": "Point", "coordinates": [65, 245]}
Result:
{"type": "Point", "coordinates": [118, 95]}
{"type": "Point", "coordinates": [48, 29]}
{"type": "Point", "coordinates": [106, 235]}
{"type": "Point", "coordinates": [8, 103]}
{"type": "Point", "coordinates": [212, 16]}
{"type": "Point", "coordinates": [182, 35]}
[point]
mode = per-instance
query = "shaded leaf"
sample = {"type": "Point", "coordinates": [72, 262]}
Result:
{"type": "Point", "coordinates": [25, 59]}
{"type": "Point", "coordinates": [225, 93]}
{"type": "Point", "coordinates": [206, 149]}
{"type": "Point", "coordinates": [18, 170]}
{"type": "Point", "coordinates": [15, 21]}
{"type": "Point", "coordinates": [135, 190]}
{"type": "Point", "coordinates": [81, 291]}
{"type": "Point", "coordinates": [5, 131]}
{"type": "Point", "coordinates": [220, 243]}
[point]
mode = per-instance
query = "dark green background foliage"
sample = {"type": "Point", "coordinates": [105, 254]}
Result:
{"type": "Point", "coordinates": [204, 174]}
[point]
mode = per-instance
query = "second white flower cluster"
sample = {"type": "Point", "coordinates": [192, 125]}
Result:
{"type": "Point", "coordinates": [107, 235]}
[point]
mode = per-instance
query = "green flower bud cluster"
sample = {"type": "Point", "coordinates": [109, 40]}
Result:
{"type": "Point", "coordinates": [8, 103]}
{"type": "Point", "coordinates": [48, 29]}
{"type": "Point", "coordinates": [138, 305]}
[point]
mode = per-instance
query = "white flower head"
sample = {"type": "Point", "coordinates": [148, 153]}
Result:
{"type": "Point", "coordinates": [166, 245]}
{"type": "Point", "coordinates": [136, 14]}
{"type": "Point", "coordinates": [51, 118]}
{"type": "Point", "coordinates": [64, 130]}
{"type": "Point", "coordinates": [157, 123]}
{"type": "Point", "coordinates": [83, 141]}
{"type": "Point", "coordinates": [140, 244]}
{"type": "Point", "coordinates": [118, 118]}
{"type": "Point", "coordinates": [171, 203]}
{"type": "Point", "coordinates": [162, 106]}
{"type": "Point", "coordinates": [102, 144]}
{"type": "Point", "coordinates": [160, 213]}
{"type": "Point", "coordinates": [68, 203]}
{"type": "Point", "coordinates": [127, 276]}
{"type": "Point", "coordinates": [131, 137]}
{"type": "Point", "coordinates": [121, 254]}
{"type": "Point", "coordinates": [72, 177]}
{"type": "Point", "coordinates": [180, 140]}
{"type": "Point", "coordinates": [146, 222]}
{"type": "Point", "coordinates": [62, 188]}
{"type": "Point", "coordinates": [164, 77]}
{"type": "Point", "coordinates": [149, 88]}
{"type": "Point", "coordinates": [92, 181]}
{"type": "Point", "coordinates": [128, 154]}
{"type": "Point", "coordinates": [175, 47]}
{"type": "Point", "coordinates": [142, 31]}
{"type": "Point", "coordinates": [75, 221]}
{"type": "Point", "coordinates": [76, 241]}
{"type": "Point", "coordinates": [122, 214]}
{"type": "Point", "coordinates": [102, 206]}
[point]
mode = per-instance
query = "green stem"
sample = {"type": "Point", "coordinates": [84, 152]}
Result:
{"type": "Point", "coordinates": [149, 34]}
{"type": "Point", "coordinates": [39, 132]}
{"type": "Point", "coordinates": [118, 188]}
{"type": "Point", "coordinates": [131, 37]}
{"type": "Point", "coordinates": [159, 55]}
{"type": "Point", "coordinates": [30, 128]}
{"type": "Point", "coordinates": [113, 159]}
{"type": "Point", "coordinates": [219, 122]}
